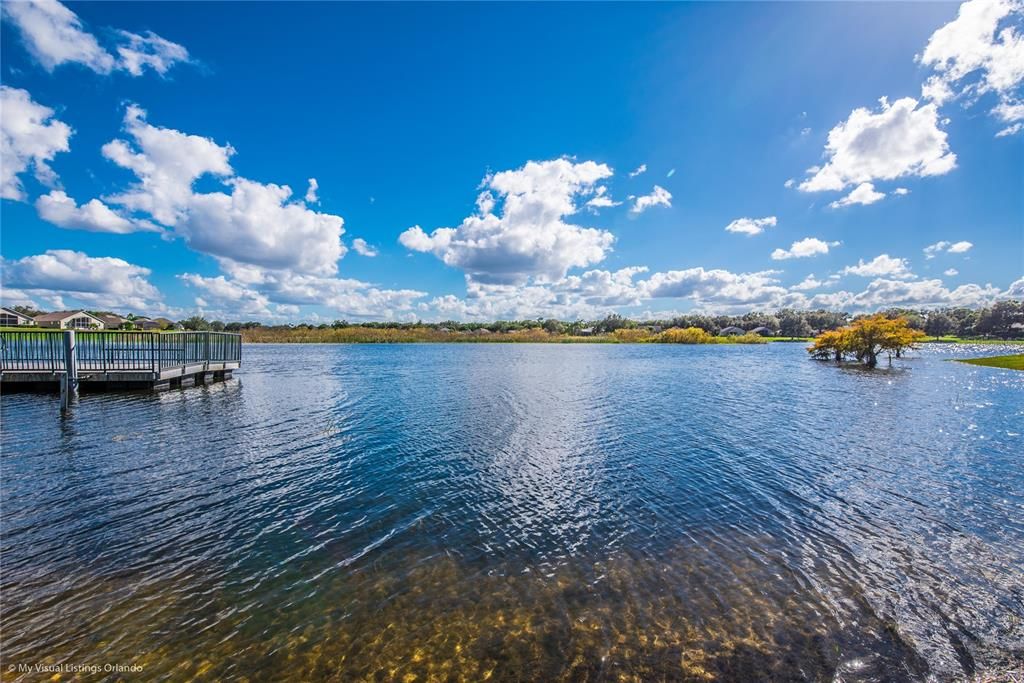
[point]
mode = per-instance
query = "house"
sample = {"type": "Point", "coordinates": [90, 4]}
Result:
{"type": "Point", "coordinates": [763, 331]}
{"type": "Point", "coordinates": [586, 332]}
{"type": "Point", "coordinates": [731, 331]}
{"type": "Point", "coordinates": [11, 318]}
{"type": "Point", "coordinates": [69, 320]}
{"type": "Point", "coordinates": [112, 321]}
{"type": "Point", "coordinates": [146, 324]}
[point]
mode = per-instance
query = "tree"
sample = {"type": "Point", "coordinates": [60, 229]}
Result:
{"type": "Point", "coordinates": [553, 326]}
{"type": "Point", "coordinates": [939, 325]}
{"type": "Point", "coordinates": [196, 322]}
{"type": "Point", "coordinates": [217, 326]}
{"type": "Point", "coordinates": [866, 338]}
{"type": "Point", "coordinates": [793, 324]}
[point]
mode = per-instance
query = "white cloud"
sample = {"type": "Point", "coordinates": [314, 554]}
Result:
{"type": "Point", "coordinates": [751, 226]}
{"type": "Point", "coordinates": [933, 250]}
{"type": "Point", "coordinates": [95, 216]}
{"type": "Point", "coordinates": [98, 281]}
{"type": "Point", "coordinates": [256, 223]}
{"type": "Point", "coordinates": [883, 293]}
{"type": "Point", "coordinates": [167, 162]}
{"type": "Point", "coordinates": [659, 196]}
{"type": "Point", "coordinates": [902, 191]}
{"type": "Point", "coordinates": [714, 286]}
{"type": "Point", "coordinates": [1015, 290]}
{"type": "Point", "coordinates": [805, 248]}
{"type": "Point", "coordinates": [150, 50]}
{"type": "Point", "coordinates": [809, 283]}
{"type": "Point", "coordinates": [54, 35]}
{"type": "Point", "coordinates": [862, 194]}
{"type": "Point", "coordinates": [1010, 130]}
{"type": "Point", "coordinates": [29, 137]}
{"type": "Point", "coordinates": [363, 249]}
{"type": "Point", "coordinates": [601, 199]}
{"type": "Point", "coordinates": [882, 265]}
{"type": "Point", "coordinates": [311, 196]}
{"type": "Point", "coordinates": [671, 173]}
{"type": "Point", "coordinates": [642, 168]}
{"type": "Point", "coordinates": [951, 272]}
{"type": "Point", "coordinates": [530, 238]}
{"type": "Point", "coordinates": [899, 140]}
{"type": "Point", "coordinates": [981, 51]}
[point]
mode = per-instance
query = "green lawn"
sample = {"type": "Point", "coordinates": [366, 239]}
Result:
{"type": "Point", "coordinates": [1011, 362]}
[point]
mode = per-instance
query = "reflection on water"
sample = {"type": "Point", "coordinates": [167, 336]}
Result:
{"type": "Point", "coordinates": [499, 512]}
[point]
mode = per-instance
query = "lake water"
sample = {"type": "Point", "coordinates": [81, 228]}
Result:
{"type": "Point", "coordinates": [524, 512]}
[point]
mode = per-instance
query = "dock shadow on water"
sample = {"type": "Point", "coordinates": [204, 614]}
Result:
{"type": "Point", "coordinates": [523, 514]}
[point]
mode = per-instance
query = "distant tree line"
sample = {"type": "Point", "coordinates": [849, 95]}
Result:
{"type": "Point", "coordinates": [1003, 320]}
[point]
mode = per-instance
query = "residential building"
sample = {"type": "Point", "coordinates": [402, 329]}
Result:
{"type": "Point", "coordinates": [11, 318]}
{"type": "Point", "coordinates": [70, 320]}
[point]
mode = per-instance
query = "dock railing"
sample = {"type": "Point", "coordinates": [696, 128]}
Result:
{"type": "Point", "coordinates": [116, 351]}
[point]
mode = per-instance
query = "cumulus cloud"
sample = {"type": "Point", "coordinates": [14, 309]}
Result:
{"type": "Point", "coordinates": [882, 293]}
{"type": "Point", "coordinates": [263, 292]}
{"type": "Point", "coordinates": [862, 194]}
{"type": "Point", "coordinates": [809, 283]}
{"type": "Point", "coordinates": [715, 286]}
{"type": "Point", "coordinates": [98, 281]}
{"type": "Point", "coordinates": [528, 237]}
{"type": "Point", "coordinates": [659, 196]}
{"type": "Point", "coordinates": [882, 265]}
{"type": "Point", "coordinates": [95, 216]}
{"type": "Point", "coordinates": [979, 52]}
{"type": "Point", "coordinates": [899, 140]}
{"type": "Point", "coordinates": [1015, 290]}
{"type": "Point", "coordinates": [29, 138]}
{"type": "Point", "coordinates": [805, 248]}
{"type": "Point", "coordinates": [933, 250]}
{"type": "Point", "coordinates": [253, 223]}
{"type": "Point", "coordinates": [901, 191]}
{"type": "Point", "coordinates": [166, 162]}
{"type": "Point", "coordinates": [601, 199]}
{"type": "Point", "coordinates": [363, 249]}
{"type": "Point", "coordinates": [751, 226]}
{"type": "Point", "coordinates": [951, 272]}
{"type": "Point", "coordinates": [642, 168]}
{"type": "Point", "coordinates": [311, 196]}
{"type": "Point", "coordinates": [54, 35]}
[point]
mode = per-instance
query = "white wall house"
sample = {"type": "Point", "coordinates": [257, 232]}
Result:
{"type": "Point", "coordinates": [11, 318]}
{"type": "Point", "coordinates": [70, 320]}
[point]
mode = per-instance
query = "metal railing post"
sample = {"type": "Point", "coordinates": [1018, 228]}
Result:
{"type": "Point", "coordinates": [69, 385]}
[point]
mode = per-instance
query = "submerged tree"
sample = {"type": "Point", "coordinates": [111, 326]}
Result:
{"type": "Point", "coordinates": [865, 339]}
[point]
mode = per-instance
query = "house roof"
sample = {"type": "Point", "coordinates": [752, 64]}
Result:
{"type": "Point", "coordinates": [14, 312]}
{"type": "Point", "coordinates": [732, 328]}
{"type": "Point", "coordinates": [761, 328]}
{"type": "Point", "coordinates": [62, 315]}
{"type": "Point", "coordinates": [111, 319]}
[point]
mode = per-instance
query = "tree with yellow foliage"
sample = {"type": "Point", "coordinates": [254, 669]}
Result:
{"type": "Point", "coordinates": [865, 339]}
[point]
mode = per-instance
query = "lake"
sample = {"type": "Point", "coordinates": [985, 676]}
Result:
{"type": "Point", "coordinates": [524, 512]}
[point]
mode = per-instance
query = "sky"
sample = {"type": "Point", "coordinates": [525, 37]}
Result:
{"type": "Point", "coordinates": [288, 162]}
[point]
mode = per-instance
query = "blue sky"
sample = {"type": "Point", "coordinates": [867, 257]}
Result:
{"type": "Point", "coordinates": [479, 161]}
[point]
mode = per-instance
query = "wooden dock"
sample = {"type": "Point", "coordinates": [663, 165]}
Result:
{"type": "Point", "coordinates": [115, 360]}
